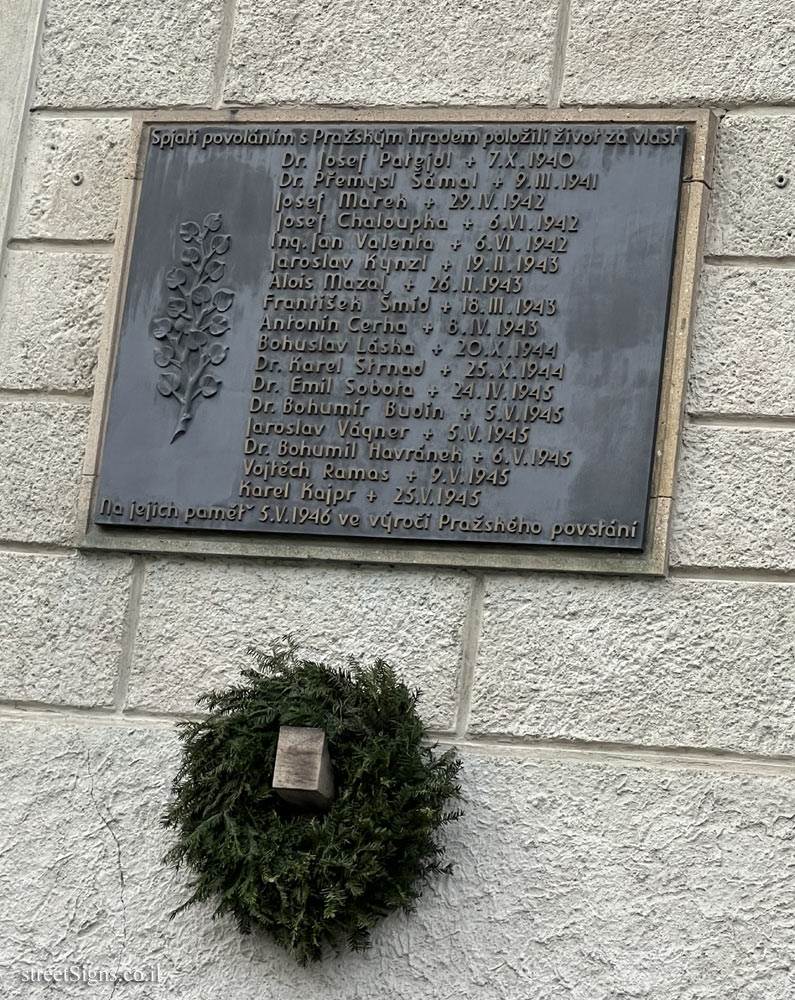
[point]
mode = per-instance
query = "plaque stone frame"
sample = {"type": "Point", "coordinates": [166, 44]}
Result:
{"type": "Point", "coordinates": [700, 128]}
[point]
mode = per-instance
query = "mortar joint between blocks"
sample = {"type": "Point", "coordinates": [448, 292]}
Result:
{"type": "Point", "coordinates": [222, 53]}
{"type": "Point", "coordinates": [129, 633]}
{"type": "Point", "coordinates": [559, 53]}
{"type": "Point", "coordinates": [470, 643]}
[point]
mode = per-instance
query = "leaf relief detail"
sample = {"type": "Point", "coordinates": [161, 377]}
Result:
{"type": "Point", "coordinates": [189, 335]}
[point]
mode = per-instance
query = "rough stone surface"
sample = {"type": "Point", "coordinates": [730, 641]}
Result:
{"type": "Point", "coordinates": [51, 206]}
{"type": "Point", "coordinates": [570, 881]}
{"type": "Point", "coordinates": [50, 319]}
{"type": "Point", "coordinates": [323, 51]}
{"type": "Point", "coordinates": [735, 504]}
{"type": "Point", "coordinates": [41, 457]}
{"type": "Point", "coordinates": [690, 52]}
{"type": "Point", "coordinates": [744, 343]}
{"type": "Point", "coordinates": [59, 855]}
{"type": "Point", "coordinates": [61, 621]}
{"type": "Point", "coordinates": [654, 663]}
{"type": "Point", "coordinates": [748, 213]}
{"type": "Point", "coordinates": [95, 54]}
{"type": "Point", "coordinates": [197, 618]}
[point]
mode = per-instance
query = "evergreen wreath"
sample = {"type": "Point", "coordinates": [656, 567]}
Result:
{"type": "Point", "coordinates": [310, 879]}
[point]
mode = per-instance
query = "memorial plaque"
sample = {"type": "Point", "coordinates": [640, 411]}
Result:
{"type": "Point", "coordinates": [436, 333]}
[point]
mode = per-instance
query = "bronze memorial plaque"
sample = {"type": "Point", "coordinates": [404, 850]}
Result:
{"type": "Point", "coordinates": [424, 332]}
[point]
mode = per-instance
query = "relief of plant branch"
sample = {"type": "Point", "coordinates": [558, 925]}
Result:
{"type": "Point", "coordinates": [189, 335]}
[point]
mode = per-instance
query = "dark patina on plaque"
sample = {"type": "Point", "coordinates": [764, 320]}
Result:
{"type": "Point", "coordinates": [435, 333]}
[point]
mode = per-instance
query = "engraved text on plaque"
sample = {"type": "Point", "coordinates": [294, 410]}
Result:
{"type": "Point", "coordinates": [433, 333]}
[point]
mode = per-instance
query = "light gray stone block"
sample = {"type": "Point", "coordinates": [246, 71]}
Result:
{"type": "Point", "coordinates": [41, 457]}
{"type": "Point", "coordinates": [325, 52]}
{"type": "Point", "coordinates": [197, 618]}
{"type": "Point", "coordinates": [51, 319]}
{"type": "Point", "coordinates": [51, 206]}
{"type": "Point", "coordinates": [651, 663]}
{"type": "Point", "coordinates": [735, 505]}
{"type": "Point", "coordinates": [61, 623]}
{"type": "Point", "coordinates": [575, 881]}
{"type": "Point", "coordinates": [95, 54]}
{"type": "Point", "coordinates": [748, 213]}
{"type": "Point", "coordinates": [690, 52]}
{"type": "Point", "coordinates": [743, 359]}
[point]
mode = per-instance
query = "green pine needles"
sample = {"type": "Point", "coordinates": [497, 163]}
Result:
{"type": "Point", "coordinates": [310, 879]}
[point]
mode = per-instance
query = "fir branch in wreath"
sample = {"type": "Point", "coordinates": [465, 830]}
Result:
{"type": "Point", "coordinates": [189, 336]}
{"type": "Point", "coordinates": [306, 879]}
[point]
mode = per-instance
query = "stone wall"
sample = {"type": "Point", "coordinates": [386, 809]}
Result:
{"type": "Point", "coordinates": [629, 745]}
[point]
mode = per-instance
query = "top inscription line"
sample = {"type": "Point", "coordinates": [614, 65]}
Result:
{"type": "Point", "coordinates": [564, 135]}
